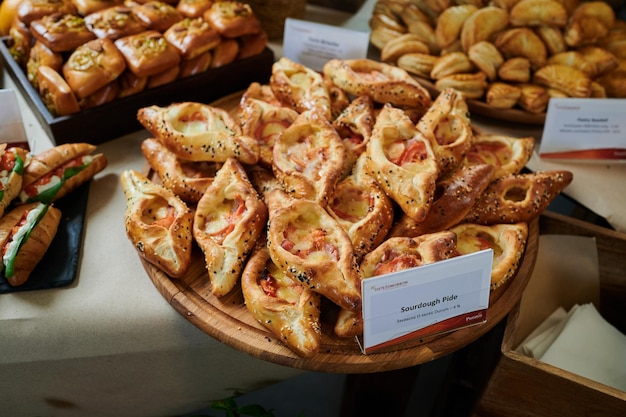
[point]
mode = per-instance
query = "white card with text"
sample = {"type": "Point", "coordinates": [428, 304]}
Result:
{"type": "Point", "coordinates": [313, 44]}
{"type": "Point", "coordinates": [439, 297]}
{"type": "Point", "coordinates": [584, 129]}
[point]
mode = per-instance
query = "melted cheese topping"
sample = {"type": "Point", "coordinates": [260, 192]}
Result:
{"type": "Point", "coordinates": [494, 153]}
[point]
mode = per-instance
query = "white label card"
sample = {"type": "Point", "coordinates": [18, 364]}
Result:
{"type": "Point", "coordinates": [453, 293]}
{"type": "Point", "coordinates": [313, 44]}
{"type": "Point", "coordinates": [584, 128]}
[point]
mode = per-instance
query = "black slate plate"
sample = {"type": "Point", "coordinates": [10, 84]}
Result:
{"type": "Point", "coordinates": [59, 266]}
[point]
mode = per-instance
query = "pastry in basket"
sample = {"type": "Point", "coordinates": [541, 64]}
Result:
{"type": "Point", "coordinates": [451, 63]}
{"type": "Point", "coordinates": [114, 22]}
{"type": "Point", "coordinates": [199, 132]}
{"type": "Point", "coordinates": [482, 25]}
{"type": "Point", "coordinates": [450, 22]}
{"type": "Point", "coordinates": [507, 154]}
{"type": "Point", "coordinates": [501, 95]}
{"type": "Point", "coordinates": [229, 219]}
{"type": "Point", "coordinates": [233, 19]}
{"type": "Point", "coordinates": [447, 126]}
{"type": "Point", "coordinates": [192, 37]}
{"type": "Point", "coordinates": [573, 59]}
{"type": "Point", "coordinates": [472, 85]}
{"type": "Point", "coordinates": [158, 223]}
{"type": "Point", "coordinates": [187, 179]}
{"type": "Point", "coordinates": [570, 80]}
{"type": "Point", "coordinates": [417, 64]}
{"type": "Point", "coordinates": [299, 87]}
{"type": "Point", "coordinates": [383, 82]}
{"type": "Point", "coordinates": [602, 60]}
{"type": "Point", "coordinates": [538, 13]}
{"type": "Point", "coordinates": [553, 38]}
{"type": "Point", "coordinates": [224, 53]}
{"type": "Point", "coordinates": [12, 163]}
{"type": "Point", "coordinates": [393, 255]}
{"type": "Point", "coordinates": [92, 66]}
{"type": "Point", "coordinates": [516, 69]}
{"type": "Point", "coordinates": [61, 32]}
{"type": "Point", "coordinates": [30, 10]}
{"type": "Point", "coordinates": [193, 8]}
{"type": "Point", "coordinates": [507, 241]}
{"type": "Point", "coordinates": [26, 233]}
{"type": "Point", "coordinates": [455, 195]}
{"type": "Point", "coordinates": [157, 15]}
{"type": "Point", "coordinates": [402, 45]}
{"type": "Point", "coordinates": [307, 243]}
{"type": "Point", "coordinates": [354, 126]}
{"type": "Point", "coordinates": [534, 98]}
{"type": "Point", "coordinates": [589, 23]}
{"type": "Point", "coordinates": [55, 172]}
{"type": "Point", "coordinates": [148, 53]}
{"type": "Point", "coordinates": [40, 55]}
{"type": "Point", "coordinates": [264, 121]}
{"type": "Point", "coordinates": [308, 157]}
{"type": "Point", "coordinates": [522, 42]}
{"type": "Point", "coordinates": [85, 7]}
{"type": "Point", "coordinates": [20, 42]}
{"type": "Point", "coordinates": [403, 162]}
{"type": "Point", "coordinates": [486, 57]}
{"type": "Point", "coordinates": [55, 93]}
{"type": "Point", "coordinates": [286, 308]}
{"type": "Point", "coordinates": [518, 197]}
{"type": "Point", "coordinates": [362, 209]}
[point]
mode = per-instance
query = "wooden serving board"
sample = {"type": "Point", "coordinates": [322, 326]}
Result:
{"type": "Point", "coordinates": [228, 320]}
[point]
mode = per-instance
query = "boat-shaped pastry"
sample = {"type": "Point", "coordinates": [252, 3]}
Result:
{"type": "Point", "coordinates": [158, 223]}
{"type": "Point", "coordinates": [309, 157]}
{"type": "Point", "coordinates": [507, 154]}
{"type": "Point", "coordinates": [518, 197]}
{"type": "Point", "coordinates": [362, 209]}
{"type": "Point", "coordinates": [187, 179]}
{"type": "Point", "coordinates": [506, 240]}
{"type": "Point", "coordinates": [447, 126]}
{"type": "Point", "coordinates": [300, 87]}
{"type": "Point", "coordinates": [199, 132]}
{"type": "Point", "coordinates": [310, 246]}
{"type": "Point", "coordinates": [229, 219]}
{"type": "Point", "coordinates": [393, 255]}
{"type": "Point", "coordinates": [403, 162]}
{"type": "Point", "coordinates": [286, 308]}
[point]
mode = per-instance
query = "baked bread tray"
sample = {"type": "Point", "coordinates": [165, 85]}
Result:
{"type": "Point", "coordinates": [119, 117]}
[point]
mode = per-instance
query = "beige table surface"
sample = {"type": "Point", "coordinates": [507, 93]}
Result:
{"type": "Point", "coordinates": [110, 345]}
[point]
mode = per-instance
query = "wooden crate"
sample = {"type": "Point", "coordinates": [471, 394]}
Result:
{"type": "Point", "coordinates": [521, 386]}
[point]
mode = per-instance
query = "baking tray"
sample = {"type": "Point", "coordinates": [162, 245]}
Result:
{"type": "Point", "coordinates": [119, 117]}
{"type": "Point", "coordinates": [59, 266]}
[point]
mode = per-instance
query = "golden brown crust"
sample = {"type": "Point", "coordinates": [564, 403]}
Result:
{"type": "Point", "coordinates": [451, 63]}
{"type": "Point", "coordinates": [515, 70]}
{"type": "Point", "coordinates": [163, 77]}
{"type": "Point", "coordinates": [85, 7]}
{"type": "Point", "coordinates": [157, 15]}
{"type": "Point", "coordinates": [130, 83]}
{"type": "Point", "coordinates": [233, 19]}
{"type": "Point", "coordinates": [501, 95]}
{"type": "Point", "coordinates": [472, 85]}
{"type": "Point", "coordinates": [450, 23]}
{"type": "Point", "coordinates": [229, 219]}
{"type": "Point", "coordinates": [300, 87]}
{"type": "Point", "coordinates": [507, 241]}
{"type": "Point", "coordinates": [12, 161]}
{"type": "Point", "coordinates": [518, 197]}
{"type": "Point", "coordinates": [570, 80]}
{"type": "Point", "coordinates": [455, 195]}
{"type": "Point", "coordinates": [224, 53]}
{"type": "Point", "coordinates": [309, 245]}
{"type": "Point", "coordinates": [193, 8]}
{"type": "Point", "coordinates": [486, 57]}
{"type": "Point", "coordinates": [251, 45]}
{"type": "Point", "coordinates": [589, 23]}
{"type": "Point", "coordinates": [36, 244]}
{"type": "Point", "coordinates": [92, 66]}
{"type": "Point", "coordinates": [403, 162]}
{"type": "Point", "coordinates": [507, 154]}
{"type": "Point", "coordinates": [148, 53]}
{"type": "Point", "coordinates": [61, 32]}
{"type": "Point", "coordinates": [362, 209]}
{"type": "Point", "coordinates": [383, 82]}
{"type": "Point", "coordinates": [417, 64]}
{"type": "Point", "coordinates": [522, 42]}
{"type": "Point", "coordinates": [114, 22]}
{"type": "Point", "coordinates": [102, 96]}
{"type": "Point", "coordinates": [308, 157]}
{"type": "Point", "coordinates": [29, 10]}
{"type": "Point", "coordinates": [538, 12]}
{"type": "Point", "coordinates": [187, 179]}
{"type": "Point", "coordinates": [534, 98]}
{"type": "Point", "coordinates": [39, 54]}
{"type": "Point", "coordinates": [158, 223]}
{"type": "Point", "coordinates": [289, 310]}
{"type": "Point", "coordinates": [54, 91]}
{"type": "Point", "coordinates": [404, 44]}
{"type": "Point", "coordinates": [482, 25]}
{"type": "Point", "coordinates": [192, 37]}
{"type": "Point", "coordinates": [199, 132]}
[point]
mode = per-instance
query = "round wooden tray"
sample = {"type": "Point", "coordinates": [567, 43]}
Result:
{"type": "Point", "coordinates": [228, 320]}
{"type": "Point", "coordinates": [480, 107]}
